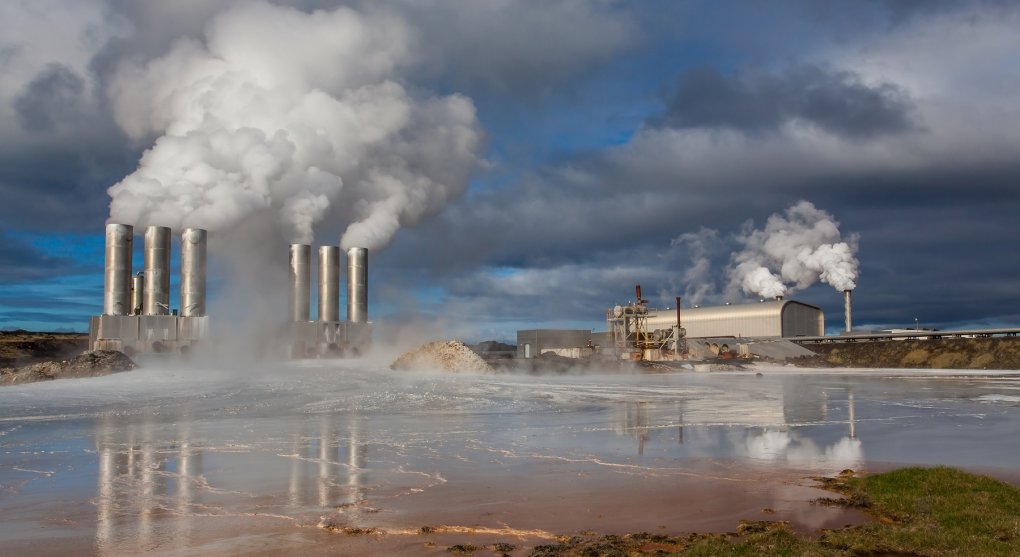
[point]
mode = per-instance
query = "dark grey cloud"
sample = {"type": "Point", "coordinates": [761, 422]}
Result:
{"type": "Point", "coordinates": [834, 100]}
{"type": "Point", "coordinates": [53, 98]}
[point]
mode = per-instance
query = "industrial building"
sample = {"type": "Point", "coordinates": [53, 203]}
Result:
{"type": "Point", "coordinates": [638, 332]}
{"type": "Point", "coordinates": [571, 343]}
{"type": "Point", "coordinates": [769, 319]}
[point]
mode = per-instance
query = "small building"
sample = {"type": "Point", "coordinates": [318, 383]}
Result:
{"type": "Point", "coordinates": [571, 343]}
{"type": "Point", "coordinates": [774, 318]}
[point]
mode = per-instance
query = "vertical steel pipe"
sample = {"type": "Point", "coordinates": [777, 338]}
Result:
{"type": "Point", "coordinates": [157, 271]}
{"type": "Point", "coordinates": [846, 310]}
{"type": "Point", "coordinates": [117, 278]}
{"type": "Point", "coordinates": [193, 258]}
{"type": "Point", "coordinates": [357, 285]}
{"type": "Point", "coordinates": [300, 294]}
{"type": "Point", "coordinates": [137, 293]}
{"type": "Point", "coordinates": [329, 283]}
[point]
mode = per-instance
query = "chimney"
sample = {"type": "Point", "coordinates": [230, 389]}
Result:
{"type": "Point", "coordinates": [678, 300]}
{"type": "Point", "coordinates": [637, 291]}
{"type": "Point", "coordinates": [156, 299]}
{"type": "Point", "coordinates": [329, 283]}
{"type": "Point", "coordinates": [117, 276]}
{"type": "Point", "coordinates": [357, 285]}
{"type": "Point", "coordinates": [846, 310]}
{"type": "Point", "coordinates": [193, 256]}
{"type": "Point", "coordinates": [300, 291]}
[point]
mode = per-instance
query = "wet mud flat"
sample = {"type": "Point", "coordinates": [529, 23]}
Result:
{"type": "Point", "coordinates": [353, 459]}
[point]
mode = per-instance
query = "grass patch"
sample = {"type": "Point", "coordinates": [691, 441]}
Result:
{"type": "Point", "coordinates": [933, 511]}
{"type": "Point", "coordinates": [919, 512]}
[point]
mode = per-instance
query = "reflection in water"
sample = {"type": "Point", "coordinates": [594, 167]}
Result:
{"type": "Point", "coordinates": [789, 445]}
{"type": "Point", "coordinates": [149, 488]}
{"type": "Point", "coordinates": [773, 426]}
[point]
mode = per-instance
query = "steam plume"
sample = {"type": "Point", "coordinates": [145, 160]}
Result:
{"type": "Point", "coordinates": [792, 252]}
{"type": "Point", "coordinates": [298, 115]}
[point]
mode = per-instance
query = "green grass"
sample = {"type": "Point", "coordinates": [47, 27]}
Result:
{"type": "Point", "coordinates": [918, 512]}
{"type": "Point", "coordinates": [934, 511]}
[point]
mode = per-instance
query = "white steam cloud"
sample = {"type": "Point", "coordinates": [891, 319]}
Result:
{"type": "Point", "coordinates": [792, 252]}
{"type": "Point", "coordinates": [297, 115]}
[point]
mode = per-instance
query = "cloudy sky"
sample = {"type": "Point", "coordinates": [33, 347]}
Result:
{"type": "Point", "coordinates": [516, 164]}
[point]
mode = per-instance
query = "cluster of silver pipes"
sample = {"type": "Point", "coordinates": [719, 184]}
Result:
{"type": "Point", "coordinates": [148, 292]}
{"type": "Point", "coordinates": [328, 336]}
{"type": "Point", "coordinates": [329, 284]}
{"type": "Point", "coordinates": [136, 309]}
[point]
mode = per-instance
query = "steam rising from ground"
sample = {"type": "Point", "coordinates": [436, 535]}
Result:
{"type": "Point", "coordinates": [792, 252]}
{"type": "Point", "coordinates": [298, 116]}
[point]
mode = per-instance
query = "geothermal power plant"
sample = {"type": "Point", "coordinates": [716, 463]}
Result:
{"type": "Point", "coordinates": [328, 335]}
{"type": "Point", "coordinates": [136, 309]}
{"type": "Point", "coordinates": [137, 317]}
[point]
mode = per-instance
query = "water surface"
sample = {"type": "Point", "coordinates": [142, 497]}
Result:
{"type": "Point", "coordinates": [209, 461]}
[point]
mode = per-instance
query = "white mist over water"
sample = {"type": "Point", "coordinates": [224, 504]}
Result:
{"type": "Point", "coordinates": [793, 251]}
{"type": "Point", "coordinates": [294, 116]}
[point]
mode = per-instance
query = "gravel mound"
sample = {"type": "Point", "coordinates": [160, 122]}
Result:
{"type": "Point", "coordinates": [453, 356]}
{"type": "Point", "coordinates": [88, 364]}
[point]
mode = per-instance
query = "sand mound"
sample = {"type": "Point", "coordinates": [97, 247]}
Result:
{"type": "Point", "coordinates": [453, 356]}
{"type": "Point", "coordinates": [89, 364]}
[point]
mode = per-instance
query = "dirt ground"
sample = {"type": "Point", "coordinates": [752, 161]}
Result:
{"type": "Point", "coordinates": [957, 353]}
{"type": "Point", "coordinates": [18, 348]}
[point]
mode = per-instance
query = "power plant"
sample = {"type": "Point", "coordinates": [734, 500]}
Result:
{"type": "Point", "coordinates": [327, 335]}
{"type": "Point", "coordinates": [635, 331]}
{"type": "Point", "coordinates": [136, 309]}
{"type": "Point", "coordinates": [137, 317]}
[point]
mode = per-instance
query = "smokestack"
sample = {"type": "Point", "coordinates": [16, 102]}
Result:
{"type": "Point", "coordinates": [117, 278]}
{"type": "Point", "coordinates": [846, 309]}
{"type": "Point", "coordinates": [300, 291]}
{"type": "Point", "coordinates": [357, 285]}
{"type": "Point", "coordinates": [156, 300]}
{"type": "Point", "coordinates": [137, 293]}
{"type": "Point", "coordinates": [193, 258]}
{"type": "Point", "coordinates": [329, 283]}
{"type": "Point", "coordinates": [678, 299]}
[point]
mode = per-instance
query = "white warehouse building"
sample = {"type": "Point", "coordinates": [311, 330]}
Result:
{"type": "Point", "coordinates": [771, 319]}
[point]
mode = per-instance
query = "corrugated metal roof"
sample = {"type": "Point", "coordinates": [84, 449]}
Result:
{"type": "Point", "coordinates": [763, 319]}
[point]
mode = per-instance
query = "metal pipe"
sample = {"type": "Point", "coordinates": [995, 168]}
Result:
{"type": "Point", "coordinates": [117, 276]}
{"type": "Point", "coordinates": [157, 271]}
{"type": "Point", "coordinates": [846, 310]}
{"type": "Point", "coordinates": [137, 293]}
{"type": "Point", "coordinates": [678, 300]}
{"type": "Point", "coordinates": [193, 264]}
{"type": "Point", "coordinates": [357, 285]}
{"type": "Point", "coordinates": [637, 292]}
{"type": "Point", "coordinates": [300, 291]}
{"type": "Point", "coordinates": [329, 283]}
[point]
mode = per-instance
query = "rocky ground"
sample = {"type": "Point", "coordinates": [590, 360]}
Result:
{"type": "Point", "coordinates": [88, 364]}
{"type": "Point", "coordinates": [19, 348]}
{"type": "Point", "coordinates": [956, 353]}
